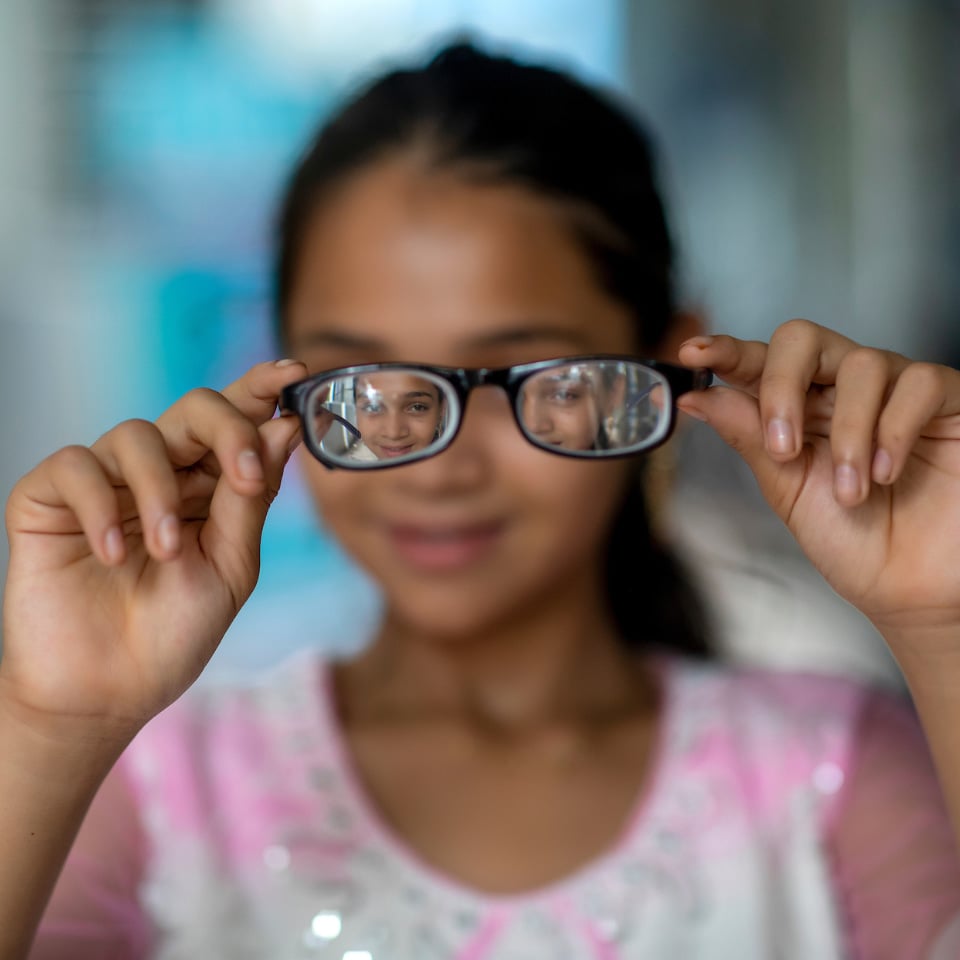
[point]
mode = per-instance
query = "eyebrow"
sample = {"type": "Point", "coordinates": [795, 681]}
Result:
{"type": "Point", "coordinates": [506, 337]}
{"type": "Point", "coordinates": [411, 394]}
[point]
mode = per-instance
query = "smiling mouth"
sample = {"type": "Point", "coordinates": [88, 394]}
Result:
{"type": "Point", "coordinates": [444, 550]}
{"type": "Point", "coordinates": [389, 451]}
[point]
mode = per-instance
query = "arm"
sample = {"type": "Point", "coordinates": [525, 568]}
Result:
{"type": "Point", "coordinates": [95, 910]}
{"type": "Point", "coordinates": [128, 561]}
{"type": "Point", "coordinates": [48, 779]}
{"type": "Point", "coordinates": [891, 843]}
{"type": "Point", "coordinates": [934, 682]}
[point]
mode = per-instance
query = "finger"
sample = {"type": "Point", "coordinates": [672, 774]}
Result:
{"type": "Point", "coordinates": [922, 392]}
{"type": "Point", "coordinates": [863, 381]}
{"type": "Point", "coordinates": [254, 397]}
{"type": "Point", "coordinates": [204, 421]}
{"type": "Point", "coordinates": [801, 353]}
{"type": "Point", "coordinates": [134, 454]}
{"type": "Point", "coordinates": [231, 534]}
{"type": "Point", "coordinates": [738, 362]}
{"type": "Point", "coordinates": [735, 415]}
{"type": "Point", "coordinates": [71, 480]}
{"type": "Point", "coordinates": [255, 394]}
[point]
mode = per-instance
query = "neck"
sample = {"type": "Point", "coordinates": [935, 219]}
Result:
{"type": "Point", "coordinates": [558, 661]}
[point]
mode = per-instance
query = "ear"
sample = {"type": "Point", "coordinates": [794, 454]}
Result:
{"type": "Point", "coordinates": [687, 322]}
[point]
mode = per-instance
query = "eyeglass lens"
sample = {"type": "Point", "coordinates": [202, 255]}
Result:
{"type": "Point", "coordinates": [590, 408]}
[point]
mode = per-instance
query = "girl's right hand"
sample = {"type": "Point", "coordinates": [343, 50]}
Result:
{"type": "Point", "coordinates": [130, 558]}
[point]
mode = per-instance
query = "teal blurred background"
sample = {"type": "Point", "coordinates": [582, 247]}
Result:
{"type": "Point", "coordinates": [810, 154]}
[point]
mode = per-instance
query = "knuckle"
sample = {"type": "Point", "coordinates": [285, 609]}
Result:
{"type": "Point", "coordinates": [923, 378]}
{"type": "Point", "coordinates": [133, 430]}
{"type": "Point", "coordinates": [72, 457]}
{"type": "Point", "coordinates": [864, 361]}
{"type": "Point", "coordinates": [797, 330]}
{"type": "Point", "coordinates": [202, 395]}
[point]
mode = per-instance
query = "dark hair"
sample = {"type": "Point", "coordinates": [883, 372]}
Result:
{"type": "Point", "coordinates": [495, 118]}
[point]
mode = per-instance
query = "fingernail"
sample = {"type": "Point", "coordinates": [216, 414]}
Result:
{"type": "Point", "coordinates": [780, 436]}
{"type": "Point", "coordinates": [113, 545]}
{"type": "Point", "coordinates": [249, 466]}
{"type": "Point", "coordinates": [882, 466]}
{"type": "Point", "coordinates": [293, 443]}
{"type": "Point", "coordinates": [846, 482]}
{"type": "Point", "coordinates": [288, 362]}
{"type": "Point", "coordinates": [168, 534]}
{"type": "Point", "coordinates": [701, 342]}
{"type": "Point", "coordinates": [696, 414]}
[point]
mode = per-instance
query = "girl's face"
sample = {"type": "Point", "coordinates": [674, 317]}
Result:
{"type": "Point", "coordinates": [562, 409]}
{"type": "Point", "coordinates": [404, 265]}
{"type": "Point", "coordinates": [397, 413]}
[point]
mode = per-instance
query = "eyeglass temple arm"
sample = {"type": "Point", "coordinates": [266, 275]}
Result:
{"type": "Point", "coordinates": [344, 422]}
{"type": "Point", "coordinates": [698, 380]}
{"type": "Point", "coordinates": [289, 406]}
{"type": "Point", "coordinates": [702, 379]}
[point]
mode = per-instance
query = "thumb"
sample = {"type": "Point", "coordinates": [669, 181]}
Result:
{"type": "Point", "coordinates": [231, 534]}
{"type": "Point", "coordinates": [735, 416]}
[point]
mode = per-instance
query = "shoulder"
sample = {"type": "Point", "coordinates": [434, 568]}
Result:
{"type": "Point", "coordinates": [783, 702]}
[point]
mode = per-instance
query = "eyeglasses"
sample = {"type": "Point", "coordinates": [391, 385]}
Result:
{"type": "Point", "coordinates": [378, 415]}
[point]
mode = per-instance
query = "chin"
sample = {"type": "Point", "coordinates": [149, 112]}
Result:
{"type": "Point", "coordinates": [450, 615]}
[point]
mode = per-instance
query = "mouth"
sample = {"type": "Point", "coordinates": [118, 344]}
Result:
{"type": "Point", "coordinates": [392, 450]}
{"type": "Point", "coordinates": [444, 549]}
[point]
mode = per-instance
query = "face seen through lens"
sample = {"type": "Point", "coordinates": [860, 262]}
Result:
{"type": "Point", "coordinates": [397, 413]}
{"type": "Point", "coordinates": [562, 408]}
{"type": "Point", "coordinates": [593, 407]}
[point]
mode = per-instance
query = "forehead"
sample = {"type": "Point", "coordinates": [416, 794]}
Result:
{"type": "Point", "coordinates": [404, 264]}
{"type": "Point", "coordinates": [405, 384]}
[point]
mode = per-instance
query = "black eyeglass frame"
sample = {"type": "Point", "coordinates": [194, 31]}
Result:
{"type": "Point", "coordinates": [681, 380]}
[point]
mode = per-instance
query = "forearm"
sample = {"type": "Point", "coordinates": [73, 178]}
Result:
{"type": "Point", "coordinates": [48, 777]}
{"type": "Point", "coordinates": [931, 667]}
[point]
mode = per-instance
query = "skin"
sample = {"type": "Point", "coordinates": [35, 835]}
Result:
{"type": "Point", "coordinates": [562, 409]}
{"type": "Point", "coordinates": [397, 414]}
{"type": "Point", "coordinates": [496, 682]}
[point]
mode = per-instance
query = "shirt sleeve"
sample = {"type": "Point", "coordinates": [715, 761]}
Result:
{"type": "Point", "coordinates": [95, 912]}
{"type": "Point", "coordinates": [893, 850]}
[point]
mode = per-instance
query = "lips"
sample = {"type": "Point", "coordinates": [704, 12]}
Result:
{"type": "Point", "coordinates": [444, 549]}
{"type": "Point", "coordinates": [394, 451]}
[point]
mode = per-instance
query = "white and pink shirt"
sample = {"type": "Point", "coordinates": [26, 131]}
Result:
{"type": "Point", "coordinates": [786, 816]}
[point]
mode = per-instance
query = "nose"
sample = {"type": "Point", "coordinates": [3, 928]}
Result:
{"type": "Point", "coordinates": [395, 425]}
{"type": "Point", "coordinates": [469, 463]}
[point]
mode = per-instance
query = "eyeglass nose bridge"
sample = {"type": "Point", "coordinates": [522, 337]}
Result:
{"type": "Point", "coordinates": [466, 380]}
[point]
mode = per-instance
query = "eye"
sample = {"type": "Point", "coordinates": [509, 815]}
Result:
{"type": "Point", "coordinates": [370, 407]}
{"type": "Point", "coordinates": [564, 393]}
{"type": "Point", "coordinates": [419, 407]}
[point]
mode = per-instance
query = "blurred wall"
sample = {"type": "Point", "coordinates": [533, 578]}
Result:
{"type": "Point", "coordinates": [815, 151]}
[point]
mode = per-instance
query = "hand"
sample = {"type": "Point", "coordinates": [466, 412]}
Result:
{"type": "Point", "coordinates": [858, 452]}
{"type": "Point", "coordinates": [129, 559]}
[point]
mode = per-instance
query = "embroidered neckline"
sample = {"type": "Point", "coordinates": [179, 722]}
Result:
{"type": "Point", "coordinates": [649, 796]}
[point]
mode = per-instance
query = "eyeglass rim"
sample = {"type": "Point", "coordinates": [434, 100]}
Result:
{"type": "Point", "coordinates": [462, 380]}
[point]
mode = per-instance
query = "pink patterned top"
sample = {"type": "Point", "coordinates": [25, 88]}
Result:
{"type": "Point", "coordinates": [787, 816]}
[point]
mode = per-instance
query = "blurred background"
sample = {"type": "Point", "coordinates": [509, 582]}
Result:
{"type": "Point", "coordinates": [810, 154]}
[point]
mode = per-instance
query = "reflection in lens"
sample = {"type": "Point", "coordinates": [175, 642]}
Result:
{"type": "Point", "coordinates": [561, 407]}
{"type": "Point", "coordinates": [602, 405]}
{"type": "Point", "coordinates": [380, 415]}
{"type": "Point", "coordinates": [397, 413]}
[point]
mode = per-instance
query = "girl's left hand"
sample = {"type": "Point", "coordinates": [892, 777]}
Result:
{"type": "Point", "coordinates": [858, 452]}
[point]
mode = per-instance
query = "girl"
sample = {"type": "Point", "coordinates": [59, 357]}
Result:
{"type": "Point", "coordinates": [522, 763]}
